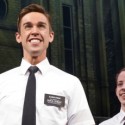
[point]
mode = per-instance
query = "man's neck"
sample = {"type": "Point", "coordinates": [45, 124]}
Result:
{"type": "Point", "coordinates": [34, 60]}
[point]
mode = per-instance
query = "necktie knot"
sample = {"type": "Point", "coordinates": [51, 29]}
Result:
{"type": "Point", "coordinates": [33, 69]}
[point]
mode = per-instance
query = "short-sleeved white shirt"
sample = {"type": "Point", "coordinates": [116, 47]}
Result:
{"type": "Point", "coordinates": [60, 98]}
{"type": "Point", "coordinates": [117, 119]}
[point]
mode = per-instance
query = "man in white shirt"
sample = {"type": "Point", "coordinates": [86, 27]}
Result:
{"type": "Point", "coordinates": [118, 119]}
{"type": "Point", "coordinates": [60, 97]}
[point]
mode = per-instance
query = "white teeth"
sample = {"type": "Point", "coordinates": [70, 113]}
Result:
{"type": "Point", "coordinates": [35, 41]}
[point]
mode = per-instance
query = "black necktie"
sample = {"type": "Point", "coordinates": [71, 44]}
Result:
{"type": "Point", "coordinates": [29, 109]}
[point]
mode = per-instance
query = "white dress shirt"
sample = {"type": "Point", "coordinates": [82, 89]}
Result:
{"type": "Point", "coordinates": [60, 98]}
{"type": "Point", "coordinates": [118, 119]}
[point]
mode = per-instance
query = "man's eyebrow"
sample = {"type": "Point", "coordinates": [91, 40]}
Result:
{"type": "Point", "coordinates": [27, 23]}
{"type": "Point", "coordinates": [42, 23]}
{"type": "Point", "coordinates": [119, 81]}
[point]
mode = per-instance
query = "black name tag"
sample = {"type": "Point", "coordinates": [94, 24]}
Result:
{"type": "Point", "coordinates": [54, 100]}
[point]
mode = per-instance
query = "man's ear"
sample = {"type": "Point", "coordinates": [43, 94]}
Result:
{"type": "Point", "coordinates": [51, 37]}
{"type": "Point", "coordinates": [18, 38]}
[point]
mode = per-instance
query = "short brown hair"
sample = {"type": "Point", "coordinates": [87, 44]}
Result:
{"type": "Point", "coordinates": [33, 8]}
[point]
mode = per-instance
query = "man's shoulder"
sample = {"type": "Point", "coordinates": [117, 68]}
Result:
{"type": "Point", "coordinates": [111, 121]}
{"type": "Point", "coordinates": [62, 73]}
{"type": "Point", "coordinates": [9, 72]}
{"type": "Point", "coordinates": [63, 76]}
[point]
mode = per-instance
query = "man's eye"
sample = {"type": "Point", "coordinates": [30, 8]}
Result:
{"type": "Point", "coordinates": [28, 26]}
{"type": "Point", "coordinates": [41, 26]}
{"type": "Point", "coordinates": [119, 84]}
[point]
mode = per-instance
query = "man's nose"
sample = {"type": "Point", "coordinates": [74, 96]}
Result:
{"type": "Point", "coordinates": [123, 86]}
{"type": "Point", "coordinates": [35, 31]}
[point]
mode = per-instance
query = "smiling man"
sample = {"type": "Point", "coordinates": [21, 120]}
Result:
{"type": "Point", "coordinates": [51, 96]}
{"type": "Point", "coordinates": [119, 119]}
{"type": "Point", "coordinates": [35, 33]}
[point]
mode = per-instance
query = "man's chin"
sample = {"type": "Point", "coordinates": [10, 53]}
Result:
{"type": "Point", "coordinates": [35, 54]}
{"type": "Point", "coordinates": [123, 102]}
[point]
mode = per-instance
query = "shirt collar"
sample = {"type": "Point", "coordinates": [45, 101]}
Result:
{"type": "Point", "coordinates": [43, 66]}
{"type": "Point", "coordinates": [121, 116]}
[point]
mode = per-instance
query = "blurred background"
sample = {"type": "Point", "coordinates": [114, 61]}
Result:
{"type": "Point", "coordinates": [89, 43]}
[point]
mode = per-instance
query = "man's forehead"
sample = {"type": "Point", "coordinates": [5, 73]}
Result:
{"type": "Point", "coordinates": [36, 19]}
{"type": "Point", "coordinates": [34, 16]}
{"type": "Point", "coordinates": [121, 75]}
